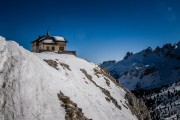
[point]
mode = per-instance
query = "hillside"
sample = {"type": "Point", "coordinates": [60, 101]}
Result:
{"type": "Point", "coordinates": [50, 86]}
{"type": "Point", "coordinates": [163, 102]}
{"type": "Point", "coordinates": [147, 69]}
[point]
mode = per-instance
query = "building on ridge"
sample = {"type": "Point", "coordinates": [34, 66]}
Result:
{"type": "Point", "coordinates": [49, 43]}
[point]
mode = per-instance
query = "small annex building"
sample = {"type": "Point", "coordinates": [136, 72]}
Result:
{"type": "Point", "coordinates": [49, 43]}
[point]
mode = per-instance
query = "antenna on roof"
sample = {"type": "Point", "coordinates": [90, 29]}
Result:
{"type": "Point", "coordinates": [48, 34]}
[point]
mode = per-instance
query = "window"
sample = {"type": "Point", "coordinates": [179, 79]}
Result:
{"type": "Point", "coordinates": [61, 48]}
{"type": "Point", "coordinates": [53, 48]}
{"type": "Point", "coordinates": [40, 43]}
{"type": "Point", "coordinates": [47, 48]}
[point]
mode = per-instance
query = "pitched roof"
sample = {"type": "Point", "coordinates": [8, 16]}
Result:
{"type": "Point", "coordinates": [50, 39]}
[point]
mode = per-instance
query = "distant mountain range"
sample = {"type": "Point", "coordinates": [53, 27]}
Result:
{"type": "Point", "coordinates": [147, 69]}
{"type": "Point", "coordinates": [154, 77]}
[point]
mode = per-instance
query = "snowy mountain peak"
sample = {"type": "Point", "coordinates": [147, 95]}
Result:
{"type": "Point", "coordinates": [148, 68]}
{"type": "Point", "coordinates": [45, 86]}
{"type": "Point", "coordinates": [154, 77]}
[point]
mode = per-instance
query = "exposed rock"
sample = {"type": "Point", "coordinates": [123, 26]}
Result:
{"type": "Point", "coordinates": [128, 54]}
{"type": "Point", "coordinates": [52, 63]}
{"type": "Point", "coordinates": [73, 112]}
{"type": "Point", "coordinates": [65, 66]}
{"type": "Point", "coordinates": [150, 70]}
{"type": "Point", "coordinates": [107, 99]}
{"type": "Point", "coordinates": [137, 106]}
{"type": "Point", "coordinates": [107, 81]}
{"type": "Point", "coordinates": [106, 92]}
{"type": "Point", "coordinates": [104, 71]}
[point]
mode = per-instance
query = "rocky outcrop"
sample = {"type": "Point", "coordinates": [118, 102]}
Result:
{"type": "Point", "coordinates": [137, 106]}
{"type": "Point", "coordinates": [106, 92]}
{"type": "Point", "coordinates": [52, 63]}
{"type": "Point", "coordinates": [128, 54]}
{"type": "Point", "coordinates": [73, 112]}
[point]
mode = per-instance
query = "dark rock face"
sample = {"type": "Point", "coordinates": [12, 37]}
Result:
{"type": "Point", "coordinates": [128, 54]}
{"type": "Point", "coordinates": [137, 106]}
{"type": "Point", "coordinates": [150, 70]}
{"type": "Point", "coordinates": [109, 63]}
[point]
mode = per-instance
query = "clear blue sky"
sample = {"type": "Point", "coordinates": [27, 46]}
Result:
{"type": "Point", "coordinates": [98, 30]}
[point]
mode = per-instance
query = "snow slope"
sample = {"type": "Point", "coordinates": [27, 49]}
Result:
{"type": "Point", "coordinates": [148, 68]}
{"type": "Point", "coordinates": [30, 84]}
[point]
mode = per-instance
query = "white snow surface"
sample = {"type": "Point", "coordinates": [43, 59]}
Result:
{"type": "Point", "coordinates": [29, 87]}
{"type": "Point", "coordinates": [48, 41]}
{"type": "Point", "coordinates": [59, 38]}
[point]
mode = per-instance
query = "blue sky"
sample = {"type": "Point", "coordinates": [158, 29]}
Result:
{"type": "Point", "coordinates": [98, 30]}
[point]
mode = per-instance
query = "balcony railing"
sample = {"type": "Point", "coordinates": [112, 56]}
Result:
{"type": "Point", "coordinates": [59, 52]}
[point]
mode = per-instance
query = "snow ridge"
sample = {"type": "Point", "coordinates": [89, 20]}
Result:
{"type": "Point", "coordinates": [30, 84]}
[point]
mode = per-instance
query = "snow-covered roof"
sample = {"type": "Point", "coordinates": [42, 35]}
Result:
{"type": "Point", "coordinates": [59, 38]}
{"type": "Point", "coordinates": [48, 41]}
